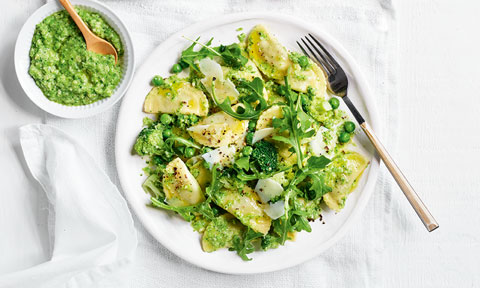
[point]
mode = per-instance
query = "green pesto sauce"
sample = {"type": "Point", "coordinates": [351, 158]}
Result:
{"type": "Point", "coordinates": [63, 68]}
{"type": "Point", "coordinates": [221, 231]}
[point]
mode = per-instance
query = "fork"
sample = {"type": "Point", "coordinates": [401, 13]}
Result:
{"type": "Point", "coordinates": [338, 85]}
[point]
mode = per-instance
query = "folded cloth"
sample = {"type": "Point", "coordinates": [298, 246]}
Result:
{"type": "Point", "coordinates": [90, 227]}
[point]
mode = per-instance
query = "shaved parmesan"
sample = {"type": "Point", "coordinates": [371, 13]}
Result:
{"type": "Point", "coordinates": [211, 69]}
{"type": "Point", "coordinates": [275, 210]}
{"type": "Point", "coordinates": [324, 142]}
{"type": "Point", "coordinates": [262, 133]}
{"type": "Point", "coordinates": [268, 189]}
{"type": "Point", "coordinates": [197, 128]}
{"type": "Point", "coordinates": [223, 155]}
{"type": "Point", "coordinates": [214, 74]}
{"type": "Point", "coordinates": [229, 88]}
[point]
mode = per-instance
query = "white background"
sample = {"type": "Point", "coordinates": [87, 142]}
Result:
{"type": "Point", "coordinates": [436, 141]}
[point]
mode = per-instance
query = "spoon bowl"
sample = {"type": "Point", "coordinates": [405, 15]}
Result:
{"type": "Point", "coordinates": [94, 43]}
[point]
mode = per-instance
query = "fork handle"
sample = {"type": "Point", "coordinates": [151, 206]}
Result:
{"type": "Point", "coordinates": [417, 204]}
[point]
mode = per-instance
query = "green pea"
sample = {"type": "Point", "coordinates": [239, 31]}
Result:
{"type": "Point", "coordinates": [303, 61]}
{"type": "Point", "coordinates": [167, 133]}
{"type": "Point", "coordinates": [157, 80]}
{"type": "Point", "coordinates": [252, 125]}
{"type": "Point", "coordinates": [240, 110]}
{"type": "Point", "coordinates": [349, 126]}
{"type": "Point", "coordinates": [249, 138]}
{"type": "Point", "coordinates": [189, 152]}
{"type": "Point", "coordinates": [344, 137]}
{"type": "Point", "coordinates": [247, 151]}
{"type": "Point", "coordinates": [334, 102]}
{"type": "Point", "coordinates": [166, 119]}
{"type": "Point", "coordinates": [176, 68]}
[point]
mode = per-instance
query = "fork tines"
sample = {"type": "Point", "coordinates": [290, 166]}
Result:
{"type": "Point", "coordinates": [323, 57]}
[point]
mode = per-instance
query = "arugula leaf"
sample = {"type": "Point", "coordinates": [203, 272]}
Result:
{"type": "Point", "coordinates": [183, 141]}
{"type": "Point", "coordinates": [243, 163]}
{"type": "Point", "coordinates": [283, 139]}
{"type": "Point", "coordinates": [232, 55]}
{"type": "Point", "coordinates": [318, 162]}
{"type": "Point", "coordinates": [241, 175]}
{"type": "Point", "coordinates": [246, 111]}
{"type": "Point", "coordinates": [216, 184]}
{"type": "Point", "coordinates": [318, 188]}
{"type": "Point", "coordinates": [189, 56]}
{"type": "Point", "coordinates": [294, 220]}
{"type": "Point", "coordinates": [313, 170]}
{"type": "Point", "coordinates": [299, 221]}
{"type": "Point", "coordinates": [254, 89]}
{"type": "Point", "coordinates": [281, 124]}
{"type": "Point", "coordinates": [295, 121]}
{"type": "Point", "coordinates": [187, 212]}
{"type": "Point", "coordinates": [290, 123]}
{"type": "Point", "coordinates": [306, 122]}
{"type": "Point", "coordinates": [153, 186]}
{"type": "Point", "coordinates": [281, 228]}
{"type": "Point", "coordinates": [244, 245]}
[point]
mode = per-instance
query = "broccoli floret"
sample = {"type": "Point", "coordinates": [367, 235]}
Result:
{"type": "Point", "coordinates": [148, 122]}
{"type": "Point", "coordinates": [184, 121]}
{"type": "Point", "coordinates": [149, 141]}
{"type": "Point", "coordinates": [265, 156]}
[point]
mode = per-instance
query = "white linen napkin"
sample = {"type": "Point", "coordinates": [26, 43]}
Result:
{"type": "Point", "coordinates": [90, 227]}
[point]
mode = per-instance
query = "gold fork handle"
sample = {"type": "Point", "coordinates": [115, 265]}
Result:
{"type": "Point", "coordinates": [417, 204]}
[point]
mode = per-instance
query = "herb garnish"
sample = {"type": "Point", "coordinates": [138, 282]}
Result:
{"type": "Point", "coordinates": [254, 94]}
{"type": "Point", "coordinates": [288, 222]}
{"type": "Point", "coordinates": [244, 245]}
{"type": "Point", "coordinates": [231, 54]}
{"type": "Point", "coordinates": [295, 121]}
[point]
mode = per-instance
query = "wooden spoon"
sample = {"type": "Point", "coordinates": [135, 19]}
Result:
{"type": "Point", "coordinates": [94, 43]}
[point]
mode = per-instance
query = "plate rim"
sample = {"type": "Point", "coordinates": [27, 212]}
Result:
{"type": "Point", "coordinates": [366, 96]}
{"type": "Point", "coordinates": [82, 111]}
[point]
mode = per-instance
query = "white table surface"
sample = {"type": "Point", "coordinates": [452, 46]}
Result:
{"type": "Point", "coordinates": [437, 145]}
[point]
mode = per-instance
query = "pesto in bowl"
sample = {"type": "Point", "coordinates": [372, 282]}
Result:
{"type": "Point", "coordinates": [63, 68]}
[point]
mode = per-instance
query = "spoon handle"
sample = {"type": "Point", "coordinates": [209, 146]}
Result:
{"type": "Point", "coordinates": [76, 18]}
{"type": "Point", "coordinates": [417, 204]}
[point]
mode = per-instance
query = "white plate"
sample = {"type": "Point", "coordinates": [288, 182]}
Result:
{"type": "Point", "coordinates": [176, 234]}
{"type": "Point", "coordinates": [22, 61]}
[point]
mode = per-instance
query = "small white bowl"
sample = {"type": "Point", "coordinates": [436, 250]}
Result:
{"type": "Point", "coordinates": [22, 61]}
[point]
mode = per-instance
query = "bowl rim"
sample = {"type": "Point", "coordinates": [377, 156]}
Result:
{"type": "Point", "coordinates": [362, 87]}
{"type": "Point", "coordinates": [35, 94]}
